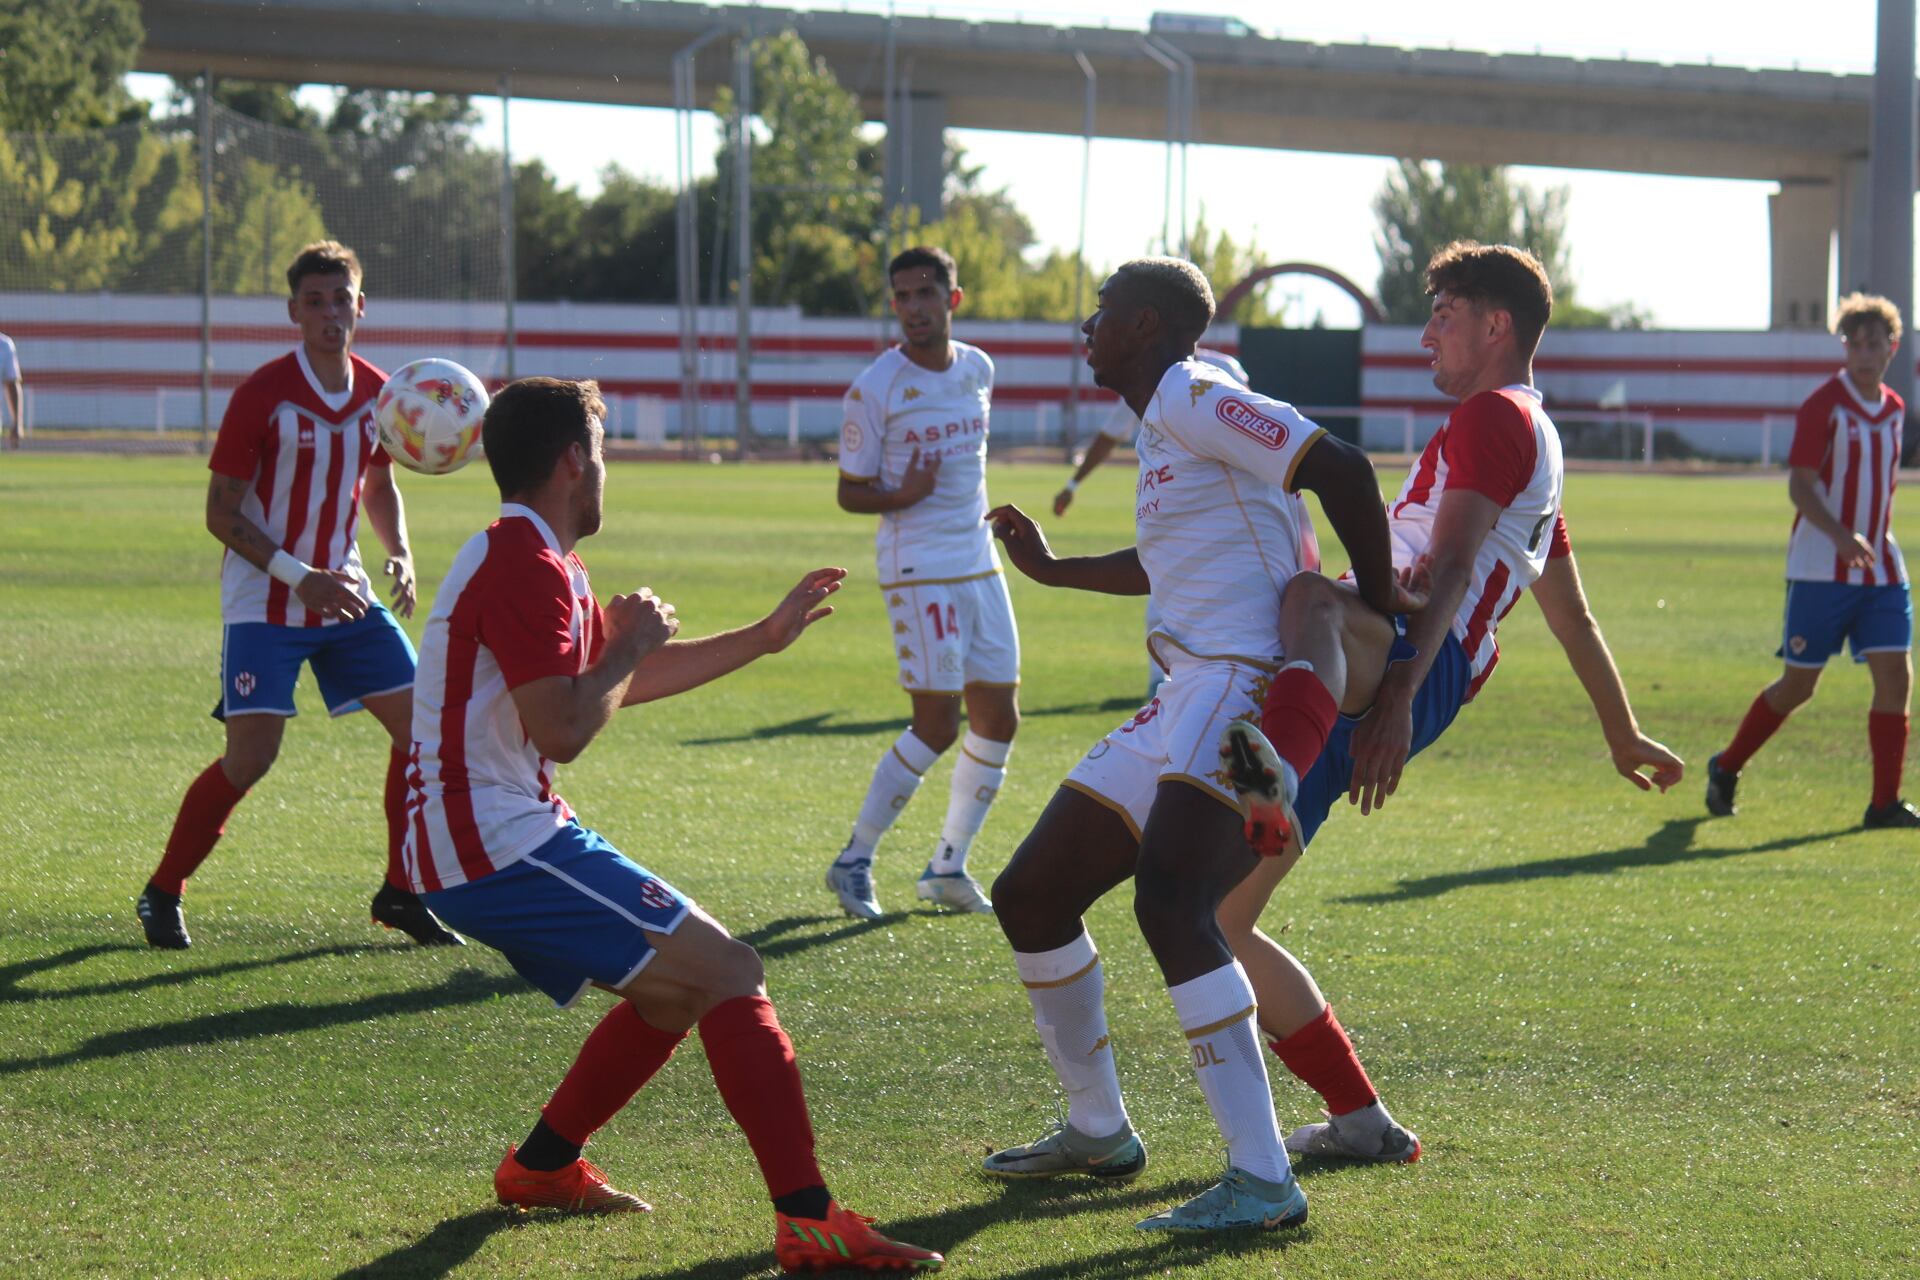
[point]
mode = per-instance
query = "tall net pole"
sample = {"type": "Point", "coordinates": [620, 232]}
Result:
{"type": "Point", "coordinates": [1890, 180]}
{"type": "Point", "coordinates": [206, 256]}
{"type": "Point", "coordinates": [743, 247]}
{"type": "Point", "coordinates": [1075, 363]}
{"type": "Point", "coordinates": [507, 281]}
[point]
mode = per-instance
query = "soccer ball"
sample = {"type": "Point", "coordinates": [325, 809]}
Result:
{"type": "Point", "coordinates": [429, 416]}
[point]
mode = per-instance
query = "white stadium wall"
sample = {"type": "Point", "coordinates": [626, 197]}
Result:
{"type": "Point", "coordinates": [132, 362]}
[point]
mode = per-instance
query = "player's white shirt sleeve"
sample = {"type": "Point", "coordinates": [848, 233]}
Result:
{"type": "Point", "coordinates": [863, 425]}
{"type": "Point", "coordinates": [1213, 418]}
{"type": "Point", "coordinates": [9, 360]}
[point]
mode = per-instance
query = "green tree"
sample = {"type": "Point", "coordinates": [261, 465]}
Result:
{"type": "Point", "coordinates": [1226, 263]}
{"type": "Point", "coordinates": [61, 64]}
{"type": "Point", "coordinates": [1423, 207]}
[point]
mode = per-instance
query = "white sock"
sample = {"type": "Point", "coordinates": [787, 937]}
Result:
{"type": "Point", "coordinates": [895, 779]}
{"type": "Point", "coordinates": [1217, 1013]}
{"type": "Point", "coordinates": [977, 776]}
{"type": "Point", "coordinates": [1068, 991]}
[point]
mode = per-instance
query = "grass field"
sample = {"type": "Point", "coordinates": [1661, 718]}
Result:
{"type": "Point", "coordinates": [1634, 1043]}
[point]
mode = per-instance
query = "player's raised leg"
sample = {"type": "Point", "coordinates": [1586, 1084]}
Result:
{"type": "Point", "coordinates": [1191, 853]}
{"type": "Point", "coordinates": [993, 716]}
{"type": "Point", "coordinates": [253, 742]}
{"type": "Point", "coordinates": [1081, 848]}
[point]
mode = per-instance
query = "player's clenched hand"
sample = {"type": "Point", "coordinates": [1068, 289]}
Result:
{"type": "Point", "coordinates": [330, 593]}
{"type": "Point", "coordinates": [1644, 753]}
{"type": "Point", "coordinates": [1026, 545]}
{"type": "Point", "coordinates": [1380, 745]}
{"type": "Point", "coordinates": [642, 620]}
{"type": "Point", "coordinates": [922, 473]}
{"type": "Point", "coordinates": [801, 609]}
{"type": "Point", "coordinates": [400, 569]}
{"type": "Point", "coordinates": [1855, 553]}
{"type": "Point", "coordinates": [1061, 501]}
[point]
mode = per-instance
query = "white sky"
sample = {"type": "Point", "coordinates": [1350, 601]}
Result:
{"type": "Point", "coordinates": [1614, 219]}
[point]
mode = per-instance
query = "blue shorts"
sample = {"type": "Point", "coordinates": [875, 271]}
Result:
{"type": "Point", "coordinates": [260, 664]}
{"type": "Point", "coordinates": [1434, 707]}
{"type": "Point", "coordinates": [1822, 614]}
{"type": "Point", "coordinates": [571, 913]}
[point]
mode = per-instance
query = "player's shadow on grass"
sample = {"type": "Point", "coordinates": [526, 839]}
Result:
{"type": "Point", "coordinates": [11, 976]}
{"type": "Point", "coordinates": [465, 986]}
{"type": "Point", "coordinates": [771, 945]}
{"type": "Point", "coordinates": [1034, 1203]}
{"type": "Point", "coordinates": [823, 724]}
{"type": "Point", "coordinates": [1673, 842]}
{"type": "Point", "coordinates": [442, 1249]}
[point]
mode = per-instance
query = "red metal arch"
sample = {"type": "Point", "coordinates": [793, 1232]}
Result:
{"type": "Point", "coordinates": [1368, 307]}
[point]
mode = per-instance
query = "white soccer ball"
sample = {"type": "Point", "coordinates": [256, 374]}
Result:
{"type": "Point", "coordinates": [429, 416]}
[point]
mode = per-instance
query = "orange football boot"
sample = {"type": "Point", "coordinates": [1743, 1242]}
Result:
{"type": "Point", "coordinates": [578, 1188]}
{"type": "Point", "coordinates": [844, 1240]}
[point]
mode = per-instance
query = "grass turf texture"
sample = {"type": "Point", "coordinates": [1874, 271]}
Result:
{"type": "Point", "coordinates": [1634, 1042]}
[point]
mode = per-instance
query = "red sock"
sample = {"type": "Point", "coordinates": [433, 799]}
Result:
{"type": "Point", "coordinates": [753, 1063]}
{"type": "Point", "coordinates": [1887, 734]}
{"type": "Point", "coordinates": [1320, 1054]}
{"type": "Point", "coordinates": [620, 1056]}
{"type": "Point", "coordinates": [1758, 725]}
{"type": "Point", "coordinates": [201, 822]}
{"type": "Point", "coordinates": [1298, 715]}
{"type": "Point", "coordinates": [395, 801]}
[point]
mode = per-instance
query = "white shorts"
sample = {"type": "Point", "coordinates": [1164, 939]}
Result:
{"type": "Point", "coordinates": [948, 635]}
{"type": "Point", "coordinates": [1176, 735]}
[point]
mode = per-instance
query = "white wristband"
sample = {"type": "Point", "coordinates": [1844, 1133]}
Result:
{"type": "Point", "coordinates": [287, 569]}
{"type": "Point", "coordinates": [1073, 482]}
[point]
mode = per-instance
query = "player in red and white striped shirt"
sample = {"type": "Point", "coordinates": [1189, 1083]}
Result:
{"type": "Point", "coordinates": [1477, 522]}
{"type": "Point", "coordinates": [1846, 581]}
{"type": "Point", "coordinates": [296, 459]}
{"type": "Point", "coordinates": [522, 668]}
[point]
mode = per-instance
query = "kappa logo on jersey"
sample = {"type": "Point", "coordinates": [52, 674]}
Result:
{"type": "Point", "coordinates": [1199, 389]}
{"type": "Point", "coordinates": [655, 895]}
{"type": "Point", "coordinates": [910, 394]}
{"type": "Point", "coordinates": [1249, 421]}
{"type": "Point", "coordinates": [244, 684]}
{"type": "Point", "coordinates": [851, 436]}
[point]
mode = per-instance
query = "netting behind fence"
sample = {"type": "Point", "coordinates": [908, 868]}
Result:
{"type": "Point", "coordinates": [113, 219]}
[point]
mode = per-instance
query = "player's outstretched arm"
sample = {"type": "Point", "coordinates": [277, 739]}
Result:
{"type": "Point", "coordinates": [1118, 573]}
{"type": "Point", "coordinates": [328, 592]}
{"type": "Point", "coordinates": [687, 664]}
{"type": "Point", "coordinates": [1564, 603]}
{"type": "Point", "coordinates": [388, 515]}
{"type": "Point", "coordinates": [562, 714]}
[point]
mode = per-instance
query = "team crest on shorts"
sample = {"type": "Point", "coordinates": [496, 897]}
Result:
{"type": "Point", "coordinates": [1797, 645]}
{"type": "Point", "coordinates": [244, 684]}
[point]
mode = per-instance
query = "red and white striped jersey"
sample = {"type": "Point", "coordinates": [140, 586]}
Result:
{"type": "Point", "coordinates": [1500, 444]}
{"type": "Point", "coordinates": [1855, 446]}
{"type": "Point", "coordinates": [306, 452]}
{"type": "Point", "coordinates": [513, 609]}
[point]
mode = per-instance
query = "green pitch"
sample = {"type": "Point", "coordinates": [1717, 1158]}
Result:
{"type": "Point", "coordinates": [1634, 1042]}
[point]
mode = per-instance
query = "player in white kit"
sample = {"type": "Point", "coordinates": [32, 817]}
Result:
{"type": "Point", "coordinates": [1218, 538]}
{"type": "Point", "coordinates": [913, 450]}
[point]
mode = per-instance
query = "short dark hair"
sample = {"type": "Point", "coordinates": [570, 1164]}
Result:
{"type": "Point", "coordinates": [1857, 309]}
{"type": "Point", "coordinates": [945, 270]}
{"type": "Point", "coordinates": [531, 423]}
{"type": "Point", "coordinates": [323, 258]}
{"type": "Point", "coordinates": [1498, 275]}
{"type": "Point", "coordinates": [1175, 288]}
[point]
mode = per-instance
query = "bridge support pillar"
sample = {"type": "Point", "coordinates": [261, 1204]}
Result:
{"type": "Point", "coordinates": [1802, 216]}
{"type": "Point", "coordinates": [916, 154]}
{"type": "Point", "coordinates": [1856, 230]}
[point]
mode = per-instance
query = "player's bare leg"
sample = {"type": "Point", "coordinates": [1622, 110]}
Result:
{"type": "Point", "coordinates": [699, 977]}
{"type": "Point", "coordinates": [1191, 853]}
{"type": "Point", "coordinates": [1769, 711]}
{"type": "Point", "coordinates": [993, 717]}
{"type": "Point", "coordinates": [897, 776]}
{"type": "Point", "coordinates": [253, 743]}
{"type": "Point", "coordinates": [1887, 735]}
{"type": "Point", "coordinates": [1337, 649]}
{"type": "Point", "coordinates": [395, 905]}
{"type": "Point", "coordinates": [1077, 852]}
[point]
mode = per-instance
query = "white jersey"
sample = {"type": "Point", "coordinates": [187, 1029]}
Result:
{"type": "Point", "coordinates": [512, 609]}
{"type": "Point", "coordinates": [895, 409]}
{"type": "Point", "coordinates": [1121, 424]}
{"type": "Point", "coordinates": [1218, 529]}
{"type": "Point", "coordinates": [9, 360]}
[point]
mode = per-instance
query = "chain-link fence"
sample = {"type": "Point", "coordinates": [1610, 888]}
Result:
{"type": "Point", "coordinates": [135, 257]}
